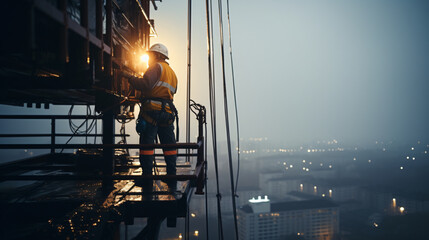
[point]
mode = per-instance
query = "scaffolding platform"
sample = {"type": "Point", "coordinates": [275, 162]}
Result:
{"type": "Point", "coordinates": [60, 207]}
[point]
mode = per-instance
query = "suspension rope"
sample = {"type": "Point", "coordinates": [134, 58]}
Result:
{"type": "Point", "coordinates": [205, 181]}
{"type": "Point", "coordinates": [212, 98]}
{"type": "Point", "coordinates": [188, 94]}
{"type": "Point", "coordinates": [235, 98]}
{"type": "Point", "coordinates": [228, 134]}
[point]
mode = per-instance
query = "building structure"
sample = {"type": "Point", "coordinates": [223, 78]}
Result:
{"type": "Point", "coordinates": [311, 219]}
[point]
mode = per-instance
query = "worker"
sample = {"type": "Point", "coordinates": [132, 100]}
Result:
{"type": "Point", "coordinates": [157, 113]}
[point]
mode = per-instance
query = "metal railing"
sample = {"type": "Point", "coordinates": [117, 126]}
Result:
{"type": "Point", "coordinates": [196, 178]}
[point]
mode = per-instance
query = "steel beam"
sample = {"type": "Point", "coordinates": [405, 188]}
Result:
{"type": "Point", "coordinates": [94, 146]}
{"type": "Point", "coordinates": [109, 178]}
{"type": "Point", "coordinates": [108, 151]}
{"type": "Point", "coordinates": [57, 135]}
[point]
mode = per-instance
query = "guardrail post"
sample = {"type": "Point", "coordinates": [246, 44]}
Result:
{"type": "Point", "coordinates": [99, 34]}
{"type": "Point", "coordinates": [201, 154]}
{"type": "Point", "coordinates": [200, 162]}
{"type": "Point", "coordinates": [53, 135]}
{"type": "Point", "coordinates": [108, 152]}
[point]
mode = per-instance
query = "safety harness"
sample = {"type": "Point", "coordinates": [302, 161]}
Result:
{"type": "Point", "coordinates": [155, 122]}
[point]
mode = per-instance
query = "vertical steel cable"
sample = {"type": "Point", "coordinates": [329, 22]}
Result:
{"type": "Point", "coordinates": [212, 94]}
{"type": "Point", "coordinates": [188, 94]}
{"type": "Point", "coordinates": [235, 98]}
{"type": "Point", "coordinates": [205, 182]}
{"type": "Point", "coordinates": [228, 134]}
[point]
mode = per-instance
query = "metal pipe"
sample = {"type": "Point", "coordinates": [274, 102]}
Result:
{"type": "Point", "coordinates": [94, 146]}
{"type": "Point", "coordinates": [99, 35]}
{"type": "Point", "coordinates": [200, 164]}
{"type": "Point", "coordinates": [146, 17]}
{"type": "Point", "coordinates": [138, 166]}
{"type": "Point", "coordinates": [109, 24]}
{"type": "Point", "coordinates": [64, 54]}
{"type": "Point", "coordinates": [67, 117]}
{"type": "Point", "coordinates": [188, 83]}
{"type": "Point", "coordinates": [57, 135]}
{"type": "Point", "coordinates": [68, 177]}
{"type": "Point", "coordinates": [84, 23]}
{"type": "Point", "coordinates": [52, 135]}
{"type": "Point", "coordinates": [108, 151]}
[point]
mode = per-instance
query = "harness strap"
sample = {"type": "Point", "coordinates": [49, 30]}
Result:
{"type": "Point", "coordinates": [173, 109]}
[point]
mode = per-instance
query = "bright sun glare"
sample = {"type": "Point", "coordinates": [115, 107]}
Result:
{"type": "Point", "coordinates": [144, 58]}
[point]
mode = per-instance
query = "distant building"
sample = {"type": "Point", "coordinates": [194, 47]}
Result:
{"type": "Point", "coordinates": [311, 219]}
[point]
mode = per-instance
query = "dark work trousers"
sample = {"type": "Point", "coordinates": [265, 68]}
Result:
{"type": "Point", "coordinates": [166, 136]}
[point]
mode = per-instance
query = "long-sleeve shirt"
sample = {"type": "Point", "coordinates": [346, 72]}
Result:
{"type": "Point", "coordinates": [148, 81]}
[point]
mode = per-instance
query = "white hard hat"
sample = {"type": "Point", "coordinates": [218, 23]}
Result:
{"type": "Point", "coordinates": [159, 48]}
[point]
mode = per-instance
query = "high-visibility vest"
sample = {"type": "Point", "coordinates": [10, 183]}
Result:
{"type": "Point", "coordinates": [165, 88]}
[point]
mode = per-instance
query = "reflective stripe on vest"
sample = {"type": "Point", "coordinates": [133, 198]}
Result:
{"type": "Point", "coordinates": [165, 88]}
{"type": "Point", "coordinates": [167, 85]}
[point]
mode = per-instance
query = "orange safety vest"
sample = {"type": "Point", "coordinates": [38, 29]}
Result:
{"type": "Point", "coordinates": [165, 88]}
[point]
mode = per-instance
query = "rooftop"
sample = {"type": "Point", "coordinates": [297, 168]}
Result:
{"type": "Point", "coordinates": [295, 205]}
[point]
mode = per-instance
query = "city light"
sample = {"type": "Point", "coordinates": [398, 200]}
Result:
{"type": "Point", "coordinates": [401, 210]}
{"type": "Point", "coordinates": [193, 215]}
{"type": "Point", "coordinates": [196, 233]}
{"type": "Point", "coordinates": [180, 236]}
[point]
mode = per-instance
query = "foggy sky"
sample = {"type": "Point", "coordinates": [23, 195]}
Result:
{"type": "Point", "coordinates": [355, 71]}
